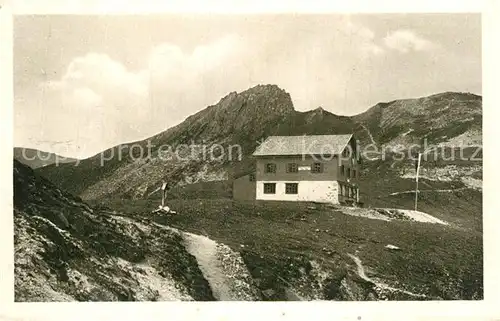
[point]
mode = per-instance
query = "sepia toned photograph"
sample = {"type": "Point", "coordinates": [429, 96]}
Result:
{"type": "Point", "coordinates": [248, 157]}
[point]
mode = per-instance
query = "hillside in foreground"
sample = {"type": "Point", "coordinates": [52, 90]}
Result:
{"type": "Point", "coordinates": [342, 251]}
{"type": "Point", "coordinates": [67, 250]}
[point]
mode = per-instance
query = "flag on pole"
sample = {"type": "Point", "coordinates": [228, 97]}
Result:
{"type": "Point", "coordinates": [417, 165]}
{"type": "Point", "coordinates": [416, 179]}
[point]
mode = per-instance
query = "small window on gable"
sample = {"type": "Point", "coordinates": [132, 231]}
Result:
{"type": "Point", "coordinates": [348, 152]}
{"type": "Point", "coordinates": [292, 168]}
{"type": "Point", "coordinates": [269, 188]}
{"type": "Point", "coordinates": [270, 168]}
{"type": "Point", "coordinates": [251, 177]}
{"type": "Point", "coordinates": [317, 168]}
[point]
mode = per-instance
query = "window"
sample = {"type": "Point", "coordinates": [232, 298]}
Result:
{"type": "Point", "coordinates": [291, 188]}
{"type": "Point", "coordinates": [292, 168]}
{"type": "Point", "coordinates": [348, 173]}
{"type": "Point", "coordinates": [354, 173]}
{"type": "Point", "coordinates": [269, 188]}
{"type": "Point", "coordinates": [317, 168]}
{"type": "Point", "coordinates": [342, 170]}
{"type": "Point", "coordinates": [270, 168]}
{"type": "Point", "coordinates": [251, 177]}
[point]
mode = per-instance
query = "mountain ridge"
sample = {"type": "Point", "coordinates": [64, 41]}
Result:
{"type": "Point", "coordinates": [318, 109]}
{"type": "Point", "coordinates": [36, 158]}
{"type": "Point", "coordinates": [247, 118]}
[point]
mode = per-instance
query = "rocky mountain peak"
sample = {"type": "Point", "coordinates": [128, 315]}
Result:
{"type": "Point", "coordinates": [251, 111]}
{"type": "Point", "coordinates": [319, 111]}
{"type": "Point", "coordinates": [269, 98]}
{"type": "Point", "coordinates": [247, 117]}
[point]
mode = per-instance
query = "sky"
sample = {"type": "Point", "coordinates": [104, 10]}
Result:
{"type": "Point", "coordinates": [86, 83]}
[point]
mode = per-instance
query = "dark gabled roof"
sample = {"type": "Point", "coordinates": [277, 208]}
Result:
{"type": "Point", "coordinates": [303, 145]}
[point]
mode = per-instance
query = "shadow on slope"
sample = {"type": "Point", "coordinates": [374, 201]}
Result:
{"type": "Point", "coordinates": [65, 251]}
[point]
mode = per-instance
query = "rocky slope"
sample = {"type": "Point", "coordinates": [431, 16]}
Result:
{"type": "Point", "coordinates": [448, 120]}
{"type": "Point", "coordinates": [66, 250]}
{"type": "Point", "coordinates": [440, 118]}
{"type": "Point", "coordinates": [242, 119]}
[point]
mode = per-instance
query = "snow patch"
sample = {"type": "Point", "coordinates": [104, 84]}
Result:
{"type": "Point", "coordinates": [422, 217]}
{"type": "Point", "coordinates": [362, 212]}
{"type": "Point", "coordinates": [389, 214]}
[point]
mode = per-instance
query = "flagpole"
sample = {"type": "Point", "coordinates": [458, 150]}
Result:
{"type": "Point", "coordinates": [416, 181]}
{"type": "Point", "coordinates": [163, 190]}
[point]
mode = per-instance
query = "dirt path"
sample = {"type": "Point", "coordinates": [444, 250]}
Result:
{"type": "Point", "coordinates": [361, 273]}
{"type": "Point", "coordinates": [205, 251]}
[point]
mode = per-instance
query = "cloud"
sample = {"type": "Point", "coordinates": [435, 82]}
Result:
{"type": "Point", "coordinates": [103, 75]}
{"type": "Point", "coordinates": [172, 68]}
{"type": "Point", "coordinates": [338, 62]}
{"type": "Point", "coordinates": [363, 38]}
{"type": "Point", "coordinates": [405, 41]}
{"type": "Point", "coordinates": [99, 102]}
{"type": "Point", "coordinates": [182, 83]}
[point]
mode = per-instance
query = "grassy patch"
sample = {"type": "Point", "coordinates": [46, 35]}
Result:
{"type": "Point", "coordinates": [441, 261]}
